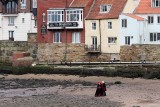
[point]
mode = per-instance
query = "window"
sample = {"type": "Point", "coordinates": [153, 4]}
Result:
{"type": "Point", "coordinates": [112, 40]}
{"type": "Point", "coordinates": [127, 40]}
{"type": "Point", "coordinates": [154, 37]}
{"type": "Point", "coordinates": [109, 25]}
{"type": "Point", "coordinates": [23, 4]}
{"type": "Point", "coordinates": [11, 35]}
{"type": "Point", "coordinates": [34, 3]}
{"type": "Point", "coordinates": [105, 8]}
{"type": "Point", "coordinates": [158, 19]}
{"type": "Point", "coordinates": [55, 15]}
{"type": "Point", "coordinates": [11, 7]}
{"type": "Point", "coordinates": [10, 21]}
{"type": "Point", "coordinates": [44, 17]}
{"type": "Point", "coordinates": [74, 15]}
{"type": "Point", "coordinates": [124, 23]}
{"type": "Point", "coordinates": [43, 29]}
{"type": "Point", "coordinates": [22, 20]}
{"type": "Point", "coordinates": [155, 3]}
{"type": "Point", "coordinates": [35, 23]}
{"type": "Point", "coordinates": [75, 37]}
{"type": "Point", "coordinates": [93, 25]}
{"type": "Point", "coordinates": [150, 20]}
{"type": "Point", "coordinates": [57, 37]}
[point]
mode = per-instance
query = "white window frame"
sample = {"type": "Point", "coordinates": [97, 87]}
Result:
{"type": "Point", "coordinates": [57, 37]}
{"type": "Point", "coordinates": [150, 19]}
{"type": "Point", "coordinates": [74, 15]}
{"type": "Point", "coordinates": [23, 4]}
{"type": "Point", "coordinates": [127, 40]}
{"type": "Point", "coordinates": [55, 15]}
{"type": "Point", "coordinates": [154, 37]}
{"type": "Point", "coordinates": [11, 20]}
{"type": "Point", "coordinates": [112, 40]}
{"type": "Point", "coordinates": [109, 25]}
{"type": "Point", "coordinates": [76, 37]}
{"type": "Point", "coordinates": [124, 23]}
{"type": "Point", "coordinates": [94, 25]}
{"type": "Point", "coordinates": [34, 3]}
{"type": "Point", "coordinates": [105, 8]}
{"type": "Point", "coordinates": [155, 3]}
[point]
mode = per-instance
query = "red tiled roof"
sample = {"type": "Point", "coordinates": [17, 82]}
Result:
{"type": "Point", "coordinates": [79, 3]}
{"type": "Point", "coordinates": [116, 9]}
{"type": "Point", "coordinates": [144, 7]}
{"type": "Point", "coordinates": [134, 16]}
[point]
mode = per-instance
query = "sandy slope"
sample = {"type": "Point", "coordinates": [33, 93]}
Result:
{"type": "Point", "coordinates": [132, 92]}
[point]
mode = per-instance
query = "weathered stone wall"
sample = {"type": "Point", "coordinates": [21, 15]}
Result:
{"type": "Point", "coordinates": [145, 52]}
{"type": "Point", "coordinates": [8, 47]}
{"type": "Point", "coordinates": [49, 52]}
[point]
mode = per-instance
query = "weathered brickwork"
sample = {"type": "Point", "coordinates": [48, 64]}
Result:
{"type": "Point", "coordinates": [140, 52]}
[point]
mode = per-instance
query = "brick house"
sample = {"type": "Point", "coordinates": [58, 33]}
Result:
{"type": "Point", "coordinates": [61, 23]}
{"type": "Point", "coordinates": [17, 19]}
{"type": "Point", "coordinates": [62, 18]}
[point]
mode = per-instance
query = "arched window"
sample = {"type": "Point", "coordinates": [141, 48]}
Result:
{"type": "Point", "coordinates": [11, 7]}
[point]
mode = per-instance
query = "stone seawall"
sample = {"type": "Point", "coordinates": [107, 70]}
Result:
{"type": "Point", "coordinates": [49, 52]}
{"type": "Point", "coordinates": [143, 52]}
{"type": "Point", "coordinates": [7, 48]}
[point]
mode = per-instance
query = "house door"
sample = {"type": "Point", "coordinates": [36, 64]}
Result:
{"type": "Point", "coordinates": [11, 35]}
{"type": "Point", "coordinates": [94, 42]}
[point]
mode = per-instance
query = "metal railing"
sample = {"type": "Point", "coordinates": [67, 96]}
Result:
{"type": "Point", "coordinates": [92, 48]}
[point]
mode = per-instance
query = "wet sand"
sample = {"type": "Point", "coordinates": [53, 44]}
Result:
{"type": "Point", "coordinates": [74, 91]}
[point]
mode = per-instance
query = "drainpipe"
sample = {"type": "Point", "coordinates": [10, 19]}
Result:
{"type": "Point", "coordinates": [100, 33]}
{"type": "Point", "coordinates": [65, 56]}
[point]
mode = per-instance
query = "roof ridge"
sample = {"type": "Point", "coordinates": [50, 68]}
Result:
{"type": "Point", "coordinates": [93, 3]}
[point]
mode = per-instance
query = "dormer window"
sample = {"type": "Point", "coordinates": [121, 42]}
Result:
{"type": "Point", "coordinates": [155, 3]}
{"type": "Point", "coordinates": [105, 8]}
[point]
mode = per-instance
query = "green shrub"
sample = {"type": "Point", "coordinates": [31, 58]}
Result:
{"type": "Point", "coordinates": [129, 72]}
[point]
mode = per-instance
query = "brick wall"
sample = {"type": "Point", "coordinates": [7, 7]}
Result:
{"type": "Point", "coordinates": [0, 7]}
{"type": "Point", "coordinates": [28, 7]}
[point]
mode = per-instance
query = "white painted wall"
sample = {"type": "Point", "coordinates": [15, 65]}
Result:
{"type": "Point", "coordinates": [130, 6]}
{"type": "Point", "coordinates": [0, 26]}
{"type": "Point", "coordinates": [151, 28]}
{"type": "Point", "coordinates": [89, 33]}
{"type": "Point", "coordinates": [134, 28]}
{"type": "Point", "coordinates": [20, 29]}
{"type": "Point", "coordinates": [105, 33]}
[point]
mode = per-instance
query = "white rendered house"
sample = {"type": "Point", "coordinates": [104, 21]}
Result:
{"type": "Point", "coordinates": [133, 29]}
{"type": "Point", "coordinates": [17, 19]}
